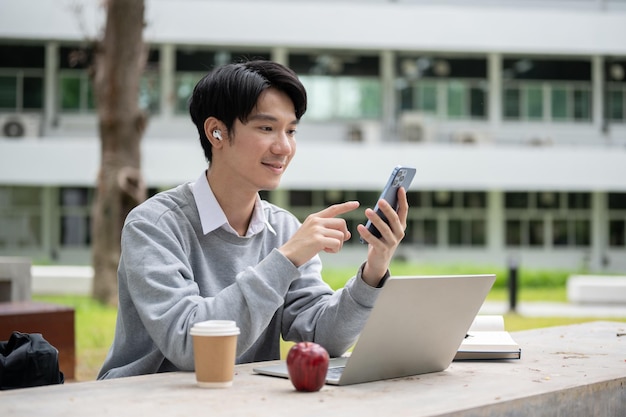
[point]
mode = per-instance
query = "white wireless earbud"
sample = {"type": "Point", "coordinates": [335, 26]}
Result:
{"type": "Point", "coordinates": [217, 134]}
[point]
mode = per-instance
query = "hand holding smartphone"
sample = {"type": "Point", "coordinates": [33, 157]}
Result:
{"type": "Point", "coordinates": [401, 176]}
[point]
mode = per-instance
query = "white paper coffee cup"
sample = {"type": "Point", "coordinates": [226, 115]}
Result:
{"type": "Point", "coordinates": [215, 350]}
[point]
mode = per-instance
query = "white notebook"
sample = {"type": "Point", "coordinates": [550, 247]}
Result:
{"type": "Point", "coordinates": [487, 339]}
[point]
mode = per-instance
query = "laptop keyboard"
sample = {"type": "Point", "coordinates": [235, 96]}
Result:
{"type": "Point", "coordinates": [334, 372]}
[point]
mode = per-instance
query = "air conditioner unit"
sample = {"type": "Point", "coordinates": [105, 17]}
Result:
{"type": "Point", "coordinates": [469, 137]}
{"type": "Point", "coordinates": [364, 132]}
{"type": "Point", "coordinates": [20, 125]}
{"type": "Point", "coordinates": [415, 128]}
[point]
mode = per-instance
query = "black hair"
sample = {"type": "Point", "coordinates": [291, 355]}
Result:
{"type": "Point", "coordinates": [231, 92]}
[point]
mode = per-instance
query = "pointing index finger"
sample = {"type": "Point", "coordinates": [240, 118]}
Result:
{"type": "Point", "coordinates": [337, 209]}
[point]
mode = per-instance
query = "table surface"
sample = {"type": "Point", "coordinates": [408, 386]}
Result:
{"type": "Point", "coordinates": [585, 361]}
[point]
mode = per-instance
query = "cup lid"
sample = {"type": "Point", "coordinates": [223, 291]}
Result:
{"type": "Point", "coordinates": [215, 328]}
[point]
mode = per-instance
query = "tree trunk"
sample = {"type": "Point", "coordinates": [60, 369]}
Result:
{"type": "Point", "coordinates": [119, 61]}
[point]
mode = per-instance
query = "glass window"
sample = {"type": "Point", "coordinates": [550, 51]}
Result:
{"type": "Point", "coordinates": [478, 232]}
{"type": "Point", "coordinates": [370, 98]}
{"type": "Point", "coordinates": [20, 230]}
{"type": "Point", "coordinates": [512, 103]}
{"type": "Point", "coordinates": [21, 56]}
{"type": "Point", "coordinates": [89, 92]}
{"type": "Point", "coordinates": [559, 103]}
{"type": "Point", "coordinates": [33, 93]}
{"type": "Point", "coordinates": [478, 102]}
{"type": "Point", "coordinates": [471, 232]}
{"type": "Point", "coordinates": [535, 233]}
{"type": "Point", "coordinates": [350, 98]}
{"type": "Point", "coordinates": [8, 92]}
{"type": "Point", "coordinates": [548, 200]}
{"type": "Point", "coordinates": [75, 221]}
{"type": "Point", "coordinates": [456, 100]}
{"type": "Point", "coordinates": [513, 233]}
{"type": "Point", "coordinates": [75, 230]}
{"type": "Point", "coordinates": [516, 200]}
{"type": "Point", "coordinates": [442, 199]}
{"type": "Point", "coordinates": [25, 196]}
{"type": "Point", "coordinates": [410, 233]}
{"type": "Point", "coordinates": [414, 198]}
{"type": "Point", "coordinates": [185, 84]}
{"type": "Point", "coordinates": [300, 198]}
{"type": "Point", "coordinates": [615, 105]}
{"type": "Point", "coordinates": [427, 97]}
{"type": "Point", "coordinates": [422, 232]}
{"type": "Point", "coordinates": [321, 89]}
{"type": "Point", "coordinates": [474, 200]}
{"type": "Point", "coordinates": [582, 104]}
{"type": "Point", "coordinates": [534, 102]}
{"type": "Point", "coordinates": [617, 201]}
{"type": "Point", "coordinates": [334, 197]}
{"type": "Point", "coordinates": [351, 224]}
{"type": "Point", "coordinates": [579, 200]}
{"type": "Point", "coordinates": [149, 92]}
{"type": "Point", "coordinates": [367, 198]}
{"type": "Point", "coordinates": [342, 97]}
{"type": "Point", "coordinates": [455, 233]}
{"type": "Point", "coordinates": [70, 93]}
{"type": "Point", "coordinates": [582, 232]}
{"type": "Point", "coordinates": [74, 197]}
{"type": "Point", "coordinates": [20, 217]}
{"type": "Point", "coordinates": [430, 232]}
{"type": "Point", "coordinates": [559, 233]}
{"type": "Point", "coordinates": [522, 68]}
{"type": "Point", "coordinates": [617, 233]}
{"type": "Point", "coordinates": [448, 98]}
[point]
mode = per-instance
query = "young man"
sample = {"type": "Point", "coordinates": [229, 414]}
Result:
{"type": "Point", "coordinates": [213, 249]}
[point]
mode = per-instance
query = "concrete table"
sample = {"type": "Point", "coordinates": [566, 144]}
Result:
{"type": "Point", "coordinates": [577, 370]}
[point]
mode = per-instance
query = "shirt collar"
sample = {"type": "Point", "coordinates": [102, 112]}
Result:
{"type": "Point", "coordinates": [212, 216]}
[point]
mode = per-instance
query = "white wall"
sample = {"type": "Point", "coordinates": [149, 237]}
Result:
{"type": "Point", "coordinates": [339, 165]}
{"type": "Point", "coordinates": [369, 25]}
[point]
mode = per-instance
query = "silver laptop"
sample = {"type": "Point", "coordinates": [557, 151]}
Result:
{"type": "Point", "coordinates": [415, 327]}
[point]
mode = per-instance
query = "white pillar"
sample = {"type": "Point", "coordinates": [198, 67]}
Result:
{"type": "Point", "coordinates": [597, 91]}
{"type": "Point", "coordinates": [50, 92]}
{"type": "Point", "coordinates": [387, 77]}
{"type": "Point", "coordinates": [599, 220]}
{"type": "Point", "coordinates": [494, 78]}
{"type": "Point", "coordinates": [280, 55]}
{"type": "Point", "coordinates": [495, 221]}
{"type": "Point", "coordinates": [167, 73]}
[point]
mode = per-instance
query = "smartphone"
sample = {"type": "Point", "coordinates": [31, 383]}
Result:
{"type": "Point", "coordinates": [401, 176]}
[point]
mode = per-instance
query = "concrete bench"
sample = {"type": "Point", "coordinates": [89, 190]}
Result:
{"type": "Point", "coordinates": [596, 289]}
{"type": "Point", "coordinates": [61, 279]}
{"type": "Point", "coordinates": [54, 322]}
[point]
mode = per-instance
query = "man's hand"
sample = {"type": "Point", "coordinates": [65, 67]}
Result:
{"type": "Point", "coordinates": [380, 251]}
{"type": "Point", "coordinates": [321, 231]}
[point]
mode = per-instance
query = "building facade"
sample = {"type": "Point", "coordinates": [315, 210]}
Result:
{"type": "Point", "coordinates": [513, 113]}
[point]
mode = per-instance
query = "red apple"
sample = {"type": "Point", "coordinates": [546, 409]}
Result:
{"type": "Point", "coordinates": [307, 363]}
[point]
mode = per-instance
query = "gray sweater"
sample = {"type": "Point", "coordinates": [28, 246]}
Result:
{"type": "Point", "coordinates": [171, 276]}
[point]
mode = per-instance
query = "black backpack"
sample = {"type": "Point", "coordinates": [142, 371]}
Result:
{"type": "Point", "coordinates": [28, 360]}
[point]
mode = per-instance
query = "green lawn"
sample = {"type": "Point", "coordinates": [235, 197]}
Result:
{"type": "Point", "coordinates": [95, 323]}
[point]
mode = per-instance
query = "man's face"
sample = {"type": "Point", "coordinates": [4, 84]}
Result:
{"type": "Point", "coordinates": [258, 153]}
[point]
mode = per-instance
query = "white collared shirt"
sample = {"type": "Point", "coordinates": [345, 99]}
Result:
{"type": "Point", "coordinates": [213, 217]}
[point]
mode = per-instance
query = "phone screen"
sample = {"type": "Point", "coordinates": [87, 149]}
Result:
{"type": "Point", "coordinates": [401, 176]}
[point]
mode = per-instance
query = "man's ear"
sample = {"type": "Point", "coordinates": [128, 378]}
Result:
{"type": "Point", "coordinates": [214, 131]}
